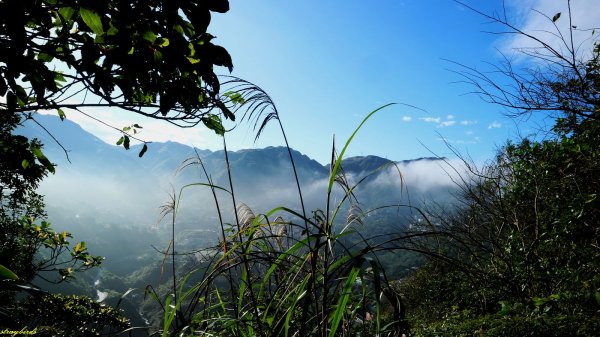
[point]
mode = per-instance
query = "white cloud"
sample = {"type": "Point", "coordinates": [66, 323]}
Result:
{"type": "Point", "coordinates": [469, 133]}
{"type": "Point", "coordinates": [447, 123]}
{"type": "Point", "coordinates": [406, 118]}
{"type": "Point", "coordinates": [450, 120]}
{"type": "Point", "coordinates": [423, 175]}
{"type": "Point", "coordinates": [431, 119]}
{"type": "Point", "coordinates": [585, 14]}
{"type": "Point", "coordinates": [494, 125]}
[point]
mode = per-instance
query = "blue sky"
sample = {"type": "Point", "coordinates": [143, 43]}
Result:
{"type": "Point", "coordinates": [327, 64]}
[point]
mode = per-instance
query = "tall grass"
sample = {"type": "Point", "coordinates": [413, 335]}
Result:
{"type": "Point", "coordinates": [285, 272]}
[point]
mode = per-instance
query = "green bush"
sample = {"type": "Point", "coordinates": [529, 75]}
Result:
{"type": "Point", "coordinates": [59, 315]}
{"type": "Point", "coordinates": [511, 326]}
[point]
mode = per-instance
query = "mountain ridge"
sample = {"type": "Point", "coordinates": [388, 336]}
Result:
{"type": "Point", "coordinates": [74, 139]}
{"type": "Point", "coordinates": [101, 178]}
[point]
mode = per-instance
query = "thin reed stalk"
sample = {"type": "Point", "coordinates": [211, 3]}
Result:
{"type": "Point", "coordinates": [318, 284]}
{"type": "Point", "coordinates": [244, 257]}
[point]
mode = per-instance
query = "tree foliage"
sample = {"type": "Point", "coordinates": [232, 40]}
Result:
{"type": "Point", "coordinates": [28, 245]}
{"type": "Point", "coordinates": [155, 58]}
{"type": "Point", "coordinates": [521, 253]}
{"type": "Point", "coordinates": [59, 315]}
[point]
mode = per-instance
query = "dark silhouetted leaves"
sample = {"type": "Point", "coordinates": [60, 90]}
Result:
{"type": "Point", "coordinates": [155, 55]}
{"type": "Point", "coordinates": [143, 150]}
{"type": "Point", "coordinates": [220, 6]}
{"type": "Point", "coordinates": [221, 57]}
{"type": "Point", "coordinates": [226, 112]}
{"type": "Point", "coordinates": [3, 87]}
{"type": "Point", "coordinates": [556, 17]}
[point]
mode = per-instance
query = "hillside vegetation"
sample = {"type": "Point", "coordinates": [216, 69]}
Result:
{"type": "Point", "coordinates": [521, 255]}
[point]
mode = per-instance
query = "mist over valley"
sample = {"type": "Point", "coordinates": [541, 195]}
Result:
{"type": "Point", "coordinates": [111, 198]}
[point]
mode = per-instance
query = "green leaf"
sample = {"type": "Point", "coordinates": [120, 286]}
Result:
{"type": "Point", "coordinates": [120, 141]}
{"type": "Point", "coordinates": [213, 122]}
{"type": "Point", "coordinates": [7, 274]}
{"type": "Point", "coordinates": [79, 247]}
{"type": "Point", "coordinates": [66, 13]}
{"type": "Point", "coordinates": [127, 128]}
{"type": "Point", "coordinates": [37, 152]}
{"type": "Point", "coordinates": [25, 164]}
{"type": "Point", "coordinates": [157, 56]}
{"type": "Point", "coordinates": [164, 42]}
{"type": "Point", "coordinates": [144, 149]}
{"type": "Point", "coordinates": [178, 29]}
{"type": "Point", "coordinates": [61, 114]}
{"type": "Point", "coordinates": [45, 57]}
{"type": "Point", "coordinates": [340, 307]}
{"type": "Point", "coordinates": [112, 30]}
{"type": "Point", "coordinates": [64, 235]}
{"type": "Point", "coordinates": [21, 95]}
{"type": "Point", "coordinates": [193, 60]}
{"type": "Point", "coordinates": [336, 167]}
{"type": "Point", "coordinates": [170, 311]}
{"type": "Point", "coordinates": [591, 198]}
{"type": "Point", "coordinates": [149, 36]}
{"type": "Point", "coordinates": [59, 78]}
{"type": "Point", "coordinates": [556, 17]}
{"type": "Point", "coordinates": [235, 97]}
{"type": "Point", "coordinates": [92, 20]}
{"type": "Point", "coordinates": [506, 308]}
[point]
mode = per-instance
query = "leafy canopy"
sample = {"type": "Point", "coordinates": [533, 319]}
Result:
{"type": "Point", "coordinates": [153, 57]}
